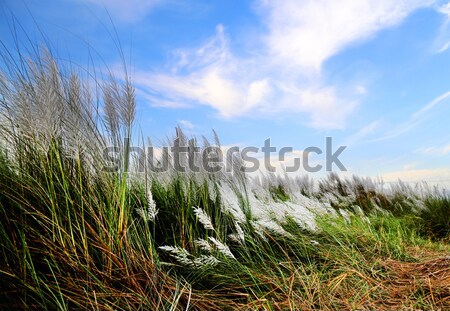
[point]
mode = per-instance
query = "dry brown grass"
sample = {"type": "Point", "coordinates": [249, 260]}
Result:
{"type": "Point", "coordinates": [393, 285]}
{"type": "Point", "coordinates": [429, 280]}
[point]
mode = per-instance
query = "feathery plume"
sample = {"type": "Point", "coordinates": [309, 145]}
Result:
{"type": "Point", "coordinates": [204, 245]}
{"type": "Point", "coordinates": [183, 257]}
{"type": "Point", "coordinates": [222, 248]}
{"type": "Point", "coordinates": [180, 254]}
{"type": "Point", "coordinates": [148, 214]}
{"type": "Point", "coordinates": [203, 218]}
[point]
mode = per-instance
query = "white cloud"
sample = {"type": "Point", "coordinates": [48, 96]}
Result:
{"type": "Point", "coordinates": [257, 91]}
{"type": "Point", "coordinates": [127, 10]}
{"type": "Point", "coordinates": [186, 124]}
{"type": "Point", "coordinates": [445, 9]}
{"type": "Point", "coordinates": [283, 74]}
{"type": "Point", "coordinates": [308, 32]}
{"type": "Point", "coordinates": [325, 108]}
{"type": "Point", "coordinates": [208, 87]}
{"type": "Point", "coordinates": [210, 75]}
{"type": "Point", "coordinates": [205, 75]}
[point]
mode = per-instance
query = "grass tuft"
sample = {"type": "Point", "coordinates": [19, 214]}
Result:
{"type": "Point", "coordinates": [75, 236]}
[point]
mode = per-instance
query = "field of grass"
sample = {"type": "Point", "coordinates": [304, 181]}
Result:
{"type": "Point", "coordinates": [76, 236]}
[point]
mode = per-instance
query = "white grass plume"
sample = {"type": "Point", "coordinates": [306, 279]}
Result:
{"type": "Point", "coordinates": [204, 245]}
{"type": "Point", "coordinates": [184, 258]}
{"type": "Point", "coordinates": [203, 261]}
{"type": "Point", "coordinates": [222, 248]}
{"type": "Point", "coordinates": [203, 218]}
{"type": "Point", "coordinates": [239, 235]}
{"type": "Point", "coordinates": [179, 253]}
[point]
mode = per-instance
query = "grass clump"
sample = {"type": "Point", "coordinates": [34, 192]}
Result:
{"type": "Point", "coordinates": [75, 236]}
{"type": "Point", "coordinates": [435, 216]}
{"type": "Point", "coordinates": [279, 193]}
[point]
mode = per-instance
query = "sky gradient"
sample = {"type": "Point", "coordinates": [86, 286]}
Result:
{"type": "Point", "coordinates": [372, 74]}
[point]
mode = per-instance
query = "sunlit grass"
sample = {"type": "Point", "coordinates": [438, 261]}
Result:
{"type": "Point", "coordinates": [74, 236]}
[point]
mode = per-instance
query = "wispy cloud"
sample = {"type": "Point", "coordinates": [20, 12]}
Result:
{"type": "Point", "coordinates": [442, 41]}
{"type": "Point", "coordinates": [438, 150]}
{"type": "Point", "coordinates": [186, 124]}
{"type": "Point", "coordinates": [445, 9]}
{"type": "Point", "coordinates": [414, 120]}
{"type": "Point", "coordinates": [421, 112]}
{"type": "Point", "coordinates": [283, 75]}
{"type": "Point", "coordinates": [362, 133]}
{"type": "Point", "coordinates": [204, 75]}
{"type": "Point", "coordinates": [444, 47]}
{"type": "Point", "coordinates": [211, 75]}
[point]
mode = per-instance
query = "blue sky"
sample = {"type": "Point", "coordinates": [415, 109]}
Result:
{"type": "Point", "coordinates": [373, 74]}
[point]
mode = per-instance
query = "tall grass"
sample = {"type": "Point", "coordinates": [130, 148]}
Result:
{"type": "Point", "coordinates": [76, 236]}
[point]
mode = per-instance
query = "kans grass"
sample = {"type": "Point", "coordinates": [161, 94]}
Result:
{"type": "Point", "coordinates": [74, 236]}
